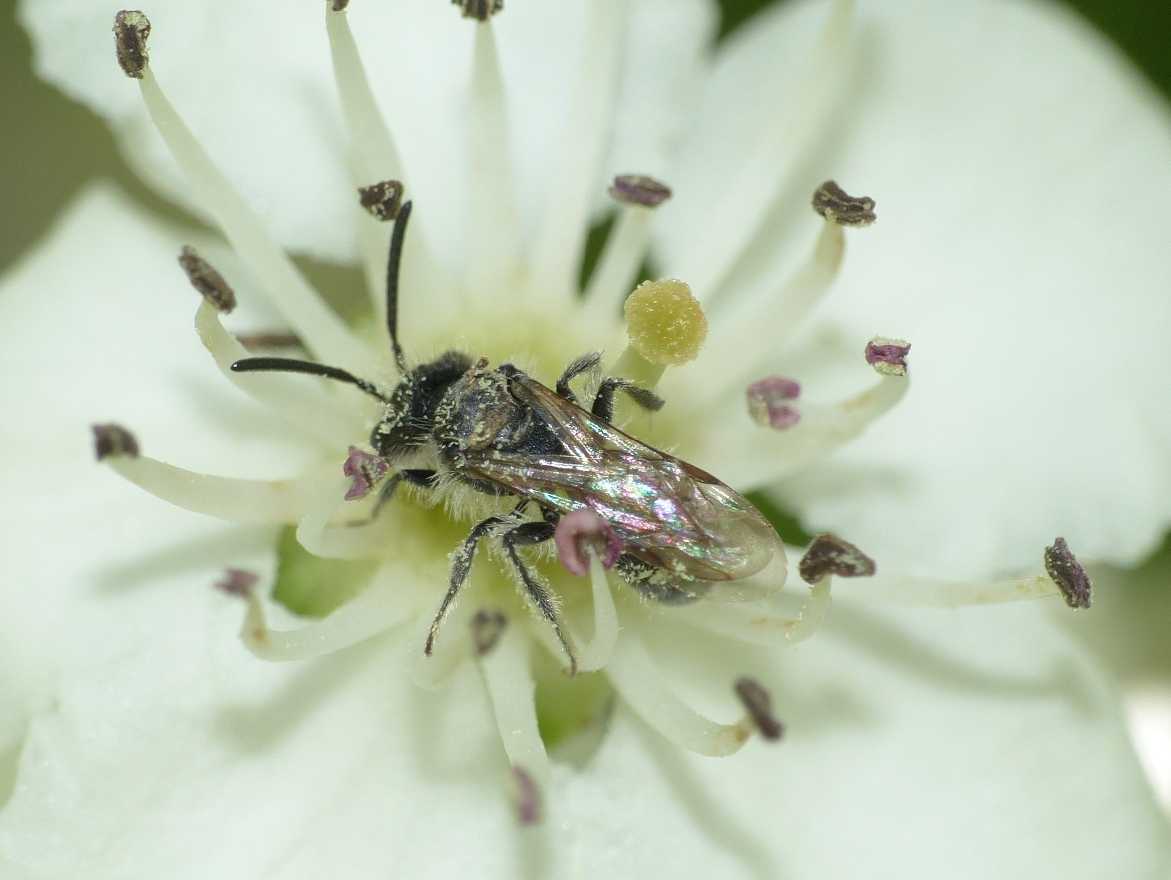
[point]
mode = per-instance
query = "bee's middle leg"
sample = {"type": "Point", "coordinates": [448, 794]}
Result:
{"type": "Point", "coordinates": [525, 535]}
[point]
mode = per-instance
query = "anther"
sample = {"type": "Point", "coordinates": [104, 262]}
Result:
{"type": "Point", "coordinates": [339, 5]}
{"type": "Point", "coordinates": [759, 705]}
{"type": "Point", "coordinates": [526, 796]}
{"type": "Point", "coordinates": [836, 205]}
{"type": "Point", "coordinates": [639, 189]}
{"type": "Point", "coordinates": [888, 356]}
{"type": "Point", "coordinates": [584, 525]}
{"type": "Point", "coordinates": [1069, 575]}
{"type": "Point", "coordinates": [481, 10]}
{"type": "Point", "coordinates": [382, 199]}
{"type": "Point", "coordinates": [365, 470]}
{"type": "Point", "coordinates": [237, 582]}
{"type": "Point", "coordinates": [204, 278]}
{"type": "Point", "coordinates": [269, 339]}
{"type": "Point", "coordinates": [665, 323]}
{"type": "Point", "coordinates": [131, 28]}
{"type": "Point", "coordinates": [829, 554]}
{"type": "Point", "coordinates": [113, 441]}
{"type": "Point", "coordinates": [487, 628]}
{"type": "Point", "coordinates": [768, 402]}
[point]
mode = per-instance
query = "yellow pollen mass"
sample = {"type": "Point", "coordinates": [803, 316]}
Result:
{"type": "Point", "coordinates": [665, 323]}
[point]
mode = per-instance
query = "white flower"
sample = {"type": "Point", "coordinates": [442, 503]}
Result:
{"type": "Point", "coordinates": [169, 754]}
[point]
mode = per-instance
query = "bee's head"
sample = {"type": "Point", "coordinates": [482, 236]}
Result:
{"type": "Point", "coordinates": [410, 414]}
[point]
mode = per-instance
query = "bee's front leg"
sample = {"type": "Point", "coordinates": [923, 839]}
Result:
{"type": "Point", "coordinates": [415, 476]}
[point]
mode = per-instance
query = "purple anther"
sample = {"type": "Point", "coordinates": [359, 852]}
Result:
{"type": "Point", "coordinates": [768, 402]}
{"type": "Point", "coordinates": [888, 356]}
{"type": "Point", "coordinates": [382, 199]}
{"type": "Point", "coordinates": [204, 278]}
{"type": "Point", "coordinates": [236, 582]}
{"type": "Point", "coordinates": [639, 189]}
{"type": "Point", "coordinates": [829, 554]}
{"type": "Point", "coordinates": [113, 441]}
{"type": "Point", "coordinates": [1069, 575]}
{"type": "Point", "coordinates": [526, 797]}
{"type": "Point", "coordinates": [487, 627]}
{"type": "Point", "coordinates": [584, 525]}
{"type": "Point", "coordinates": [131, 28]}
{"type": "Point", "coordinates": [365, 469]}
{"type": "Point", "coordinates": [758, 702]}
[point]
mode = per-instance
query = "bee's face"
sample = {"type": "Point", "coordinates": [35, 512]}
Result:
{"type": "Point", "coordinates": [409, 417]}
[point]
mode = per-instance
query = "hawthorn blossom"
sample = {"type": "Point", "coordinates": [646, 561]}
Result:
{"type": "Point", "coordinates": [202, 743]}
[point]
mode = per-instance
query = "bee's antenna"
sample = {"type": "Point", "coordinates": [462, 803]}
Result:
{"type": "Point", "coordinates": [392, 271]}
{"type": "Point", "coordinates": [290, 365]}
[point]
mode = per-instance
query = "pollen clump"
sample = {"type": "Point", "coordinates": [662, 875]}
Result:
{"type": "Point", "coordinates": [665, 323]}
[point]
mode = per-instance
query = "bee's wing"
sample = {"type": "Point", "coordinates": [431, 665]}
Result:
{"type": "Point", "coordinates": [669, 513]}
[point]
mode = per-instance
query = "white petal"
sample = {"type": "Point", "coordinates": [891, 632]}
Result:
{"type": "Point", "coordinates": [1019, 165]}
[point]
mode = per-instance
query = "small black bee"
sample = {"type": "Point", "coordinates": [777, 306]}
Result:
{"type": "Point", "coordinates": [500, 432]}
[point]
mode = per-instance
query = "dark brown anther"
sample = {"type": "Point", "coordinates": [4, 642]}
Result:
{"type": "Point", "coordinates": [829, 554]}
{"type": "Point", "coordinates": [759, 705]}
{"type": "Point", "coordinates": [131, 28]}
{"type": "Point", "coordinates": [269, 339]}
{"type": "Point", "coordinates": [834, 204]}
{"type": "Point", "coordinates": [487, 627]}
{"type": "Point", "coordinates": [236, 582]}
{"type": "Point", "coordinates": [339, 5]}
{"type": "Point", "coordinates": [639, 189]}
{"type": "Point", "coordinates": [113, 441]}
{"type": "Point", "coordinates": [481, 10]}
{"type": "Point", "coordinates": [1069, 575]}
{"type": "Point", "coordinates": [204, 278]}
{"type": "Point", "coordinates": [382, 199]}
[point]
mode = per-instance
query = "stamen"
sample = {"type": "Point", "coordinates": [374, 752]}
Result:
{"type": "Point", "coordinates": [728, 226]}
{"type": "Point", "coordinates": [131, 29]}
{"type": "Point", "coordinates": [321, 328]}
{"type": "Point", "coordinates": [205, 279]}
{"type": "Point", "coordinates": [316, 534]}
{"type": "Point", "coordinates": [339, 5]}
{"type": "Point", "coordinates": [640, 686]}
{"type": "Point", "coordinates": [837, 206]}
{"type": "Point", "coordinates": [1069, 575]}
{"type": "Point", "coordinates": [557, 252]}
{"type": "Point", "coordinates": [814, 611]}
{"type": "Point", "coordinates": [596, 653]}
{"type": "Point", "coordinates": [113, 441]}
{"type": "Point", "coordinates": [627, 244]}
{"type": "Point", "coordinates": [493, 232]}
{"type": "Point", "coordinates": [509, 682]}
{"type": "Point", "coordinates": [227, 498]}
{"type": "Point", "coordinates": [382, 200]}
{"type": "Point", "coordinates": [666, 327]}
{"type": "Point", "coordinates": [330, 419]}
{"type": "Point", "coordinates": [373, 611]}
{"type": "Point", "coordinates": [581, 526]}
{"type": "Point", "coordinates": [365, 470]}
{"type": "Point", "coordinates": [759, 705]}
{"type": "Point", "coordinates": [937, 593]}
{"type": "Point", "coordinates": [526, 797]}
{"type": "Point", "coordinates": [768, 402]}
{"type": "Point", "coordinates": [829, 554]}
{"type": "Point", "coordinates": [748, 336]}
{"type": "Point", "coordinates": [481, 10]}
{"type": "Point", "coordinates": [487, 628]}
{"type": "Point", "coordinates": [888, 356]}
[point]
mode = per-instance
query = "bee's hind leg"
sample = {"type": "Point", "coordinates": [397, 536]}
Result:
{"type": "Point", "coordinates": [528, 534]}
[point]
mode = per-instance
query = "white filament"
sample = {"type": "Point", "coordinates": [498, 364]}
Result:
{"type": "Point", "coordinates": [940, 593]}
{"type": "Point", "coordinates": [323, 331]}
{"type": "Point", "coordinates": [229, 498]}
{"type": "Point", "coordinates": [625, 250]}
{"type": "Point", "coordinates": [574, 175]}
{"type": "Point", "coordinates": [763, 623]}
{"type": "Point", "coordinates": [596, 653]}
{"type": "Point", "coordinates": [638, 683]}
{"type": "Point", "coordinates": [735, 217]}
{"type": "Point", "coordinates": [509, 682]}
{"type": "Point", "coordinates": [378, 608]}
{"type": "Point", "coordinates": [330, 419]}
{"type": "Point", "coordinates": [493, 231]}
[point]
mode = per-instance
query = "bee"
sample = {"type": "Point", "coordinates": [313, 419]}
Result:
{"type": "Point", "coordinates": [684, 534]}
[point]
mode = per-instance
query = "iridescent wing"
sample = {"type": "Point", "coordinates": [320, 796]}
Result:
{"type": "Point", "coordinates": [667, 512]}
